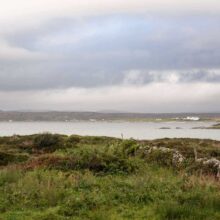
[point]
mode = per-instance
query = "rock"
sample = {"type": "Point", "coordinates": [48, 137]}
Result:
{"type": "Point", "coordinates": [215, 164]}
{"type": "Point", "coordinates": [177, 157]}
{"type": "Point", "coordinates": [212, 162]}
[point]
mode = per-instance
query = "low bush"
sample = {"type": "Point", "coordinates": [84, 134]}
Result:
{"type": "Point", "coordinates": [47, 141]}
{"type": "Point", "coordinates": [73, 139]}
{"type": "Point", "coordinates": [129, 147]}
{"type": "Point", "coordinates": [98, 163]}
{"type": "Point", "coordinates": [7, 158]}
{"type": "Point", "coordinates": [161, 158]}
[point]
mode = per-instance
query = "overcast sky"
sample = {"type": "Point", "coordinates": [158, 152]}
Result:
{"type": "Point", "coordinates": [125, 55]}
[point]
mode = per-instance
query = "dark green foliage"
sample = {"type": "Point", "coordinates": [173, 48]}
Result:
{"type": "Point", "coordinates": [74, 139]}
{"type": "Point", "coordinates": [7, 158]}
{"type": "Point", "coordinates": [98, 162]}
{"type": "Point", "coordinates": [161, 158]}
{"type": "Point", "coordinates": [47, 141]}
{"type": "Point", "coordinates": [130, 147]}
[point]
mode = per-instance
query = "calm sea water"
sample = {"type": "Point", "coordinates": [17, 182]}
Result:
{"type": "Point", "coordinates": [137, 130]}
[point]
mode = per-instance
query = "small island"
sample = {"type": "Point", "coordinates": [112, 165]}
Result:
{"type": "Point", "coordinates": [216, 126]}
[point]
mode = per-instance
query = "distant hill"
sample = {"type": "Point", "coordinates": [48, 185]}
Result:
{"type": "Point", "coordinates": [99, 116]}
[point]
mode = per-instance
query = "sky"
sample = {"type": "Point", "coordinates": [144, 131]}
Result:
{"type": "Point", "coordinates": [95, 55]}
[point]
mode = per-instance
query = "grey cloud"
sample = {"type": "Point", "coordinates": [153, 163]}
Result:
{"type": "Point", "coordinates": [160, 97]}
{"type": "Point", "coordinates": [102, 51]}
{"type": "Point", "coordinates": [58, 76]}
{"type": "Point", "coordinates": [141, 77]}
{"type": "Point", "coordinates": [212, 76]}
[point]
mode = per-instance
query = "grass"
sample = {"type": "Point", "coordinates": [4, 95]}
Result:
{"type": "Point", "coordinates": [74, 177]}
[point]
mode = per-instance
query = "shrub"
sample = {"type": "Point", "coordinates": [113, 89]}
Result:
{"type": "Point", "coordinates": [7, 158]}
{"type": "Point", "coordinates": [98, 163]}
{"type": "Point", "coordinates": [47, 141]}
{"type": "Point", "coordinates": [74, 139]}
{"type": "Point", "coordinates": [129, 147]}
{"type": "Point", "coordinates": [163, 158]}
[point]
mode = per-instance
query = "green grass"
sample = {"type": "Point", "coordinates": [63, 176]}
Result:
{"type": "Point", "coordinates": [105, 178]}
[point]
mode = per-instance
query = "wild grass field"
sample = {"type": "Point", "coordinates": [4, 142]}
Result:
{"type": "Point", "coordinates": [57, 177]}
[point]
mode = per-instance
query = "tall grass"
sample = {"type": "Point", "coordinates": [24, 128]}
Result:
{"type": "Point", "coordinates": [105, 178]}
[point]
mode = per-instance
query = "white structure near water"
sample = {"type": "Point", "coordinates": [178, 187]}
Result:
{"type": "Point", "coordinates": [192, 118]}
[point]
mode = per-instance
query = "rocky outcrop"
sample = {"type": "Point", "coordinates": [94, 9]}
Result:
{"type": "Point", "coordinates": [211, 163]}
{"type": "Point", "coordinates": [175, 157]}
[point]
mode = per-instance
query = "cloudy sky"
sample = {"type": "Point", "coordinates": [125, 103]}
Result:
{"type": "Point", "coordinates": [125, 55]}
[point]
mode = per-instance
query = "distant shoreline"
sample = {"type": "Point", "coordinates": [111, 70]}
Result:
{"type": "Point", "coordinates": [97, 116]}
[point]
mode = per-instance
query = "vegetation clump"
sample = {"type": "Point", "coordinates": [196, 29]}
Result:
{"type": "Point", "coordinates": [47, 176]}
{"type": "Point", "coordinates": [7, 158]}
{"type": "Point", "coordinates": [47, 141]}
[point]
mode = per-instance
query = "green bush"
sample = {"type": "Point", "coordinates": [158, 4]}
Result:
{"type": "Point", "coordinates": [74, 139]}
{"type": "Point", "coordinates": [47, 141]}
{"type": "Point", "coordinates": [7, 158]}
{"type": "Point", "coordinates": [98, 163]}
{"type": "Point", "coordinates": [161, 158]}
{"type": "Point", "coordinates": [129, 147]}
